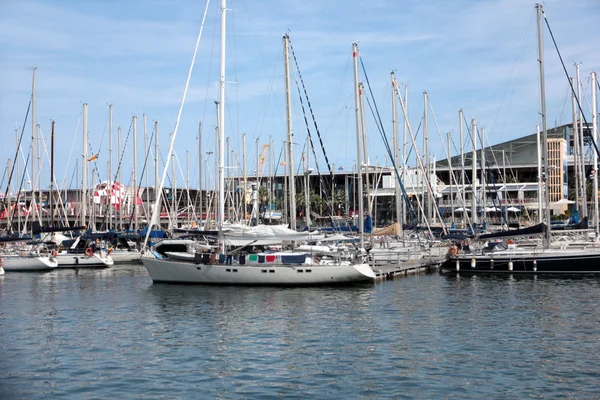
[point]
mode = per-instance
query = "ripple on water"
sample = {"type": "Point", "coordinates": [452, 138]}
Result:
{"type": "Point", "coordinates": [112, 333]}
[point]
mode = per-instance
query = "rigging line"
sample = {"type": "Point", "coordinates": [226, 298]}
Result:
{"type": "Point", "coordinates": [387, 145]}
{"type": "Point", "coordinates": [388, 148]}
{"type": "Point", "coordinates": [312, 114]}
{"type": "Point", "coordinates": [19, 192]}
{"type": "Point", "coordinates": [122, 153]}
{"type": "Point", "coordinates": [313, 150]}
{"type": "Point", "coordinates": [484, 168]}
{"type": "Point", "coordinates": [136, 194]}
{"type": "Point", "coordinates": [519, 54]}
{"type": "Point", "coordinates": [64, 182]}
{"type": "Point", "coordinates": [12, 170]}
{"type": "Point", "coordinates": [172, 144]}
{"type": "Point", "coordinates": [570, 84]}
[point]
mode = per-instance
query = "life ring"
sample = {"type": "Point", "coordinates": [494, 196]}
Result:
{"type": "Point", "coordinates": [54, 253]}
{"type": "Point", "coordinates": [89, 252]}
{"type": "Point", "coordinates": [453, 251]}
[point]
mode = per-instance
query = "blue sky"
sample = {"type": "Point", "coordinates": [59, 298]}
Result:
{"type": "Point", "coordinates": [476, 55]}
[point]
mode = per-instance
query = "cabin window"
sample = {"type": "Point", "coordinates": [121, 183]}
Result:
{"type": "Point", "coordinates": [309, 270]}
{"type": "Point", "coordinates": [300, 270]}
{"type": "Point", "coordinates": [228, 270]}
{"type": "Point", "coordinates": [272, 271]}
{"type": "Point", "coordinates": [235, 270]}
{"type": "Point", "coordinates": [264, 271]}
{"type": "Point", "coordinates": [198, 268]}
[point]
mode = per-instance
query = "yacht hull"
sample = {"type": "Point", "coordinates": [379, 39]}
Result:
{"type": "Point", "coordinates": [552, 262]}
{"type": "Point", "coordinates": [66, 260]}
{"type": "Point", "coordinates": [22, 264]}
{"type": "Point", "coordinates": [177, 271]}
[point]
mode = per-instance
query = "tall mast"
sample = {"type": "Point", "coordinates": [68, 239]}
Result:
{"type": "Point", "coordinates": [200, 173]}
{"type": "Point", "coordinates": [544, 128]}
{"type": "Point", "coordinates": [245, 178]}
{"type": "Point", "coordinates": [270, 179]}
{"type": "Point", "coordinates": [428, 202]}
{"type": "Point", "coordinates": [399, 197]}
{"type": "Point", "coordinates": [463, 203]}
{"type": "Point", "coordinates": [364, 147]}
{"type": "Point", "coordinates": [84, 167]}
{"type": "Point", "coordinates": [51, 176]}
{"type": "Point", "coordinates": [574, 135]}
{"type": "Point", "coordinates": [449, 136]}
{"type": "Point", "coordinates": [145, 171]}
{"type": "Point", "coordinates": [540, 180]}
{"type": "Point", "coordinates": [404, 147]}
{"type": "Point", "coordinates": [595, 155]}
{"type": "Point", "coordinates": [120, 222]}
{"type": "Point", "coordinates": [134, 192]}
{"type": "Point", "coordinates": [222, 119]}
{"type": "Point", "coordinates": [156, 178]}
{"type": "Point", "coordinates": [110, 163]}
{"type": "Point", "coordinates": [8, 205]}
{"type": "Point", "coordinates": [483, 178]}
{"type": "Point", "coordinates": [474, 172]}
{"type": "Point", "coordinates": [581, 166]}
{"type": "Point", "coordinates": [359, 183]}
{"type": "Point", "coordinates": [31, 152]}
{"type": "Point", "coordinates": [288, 102]}
{"type": "Point", "coordinates": [39, 168]}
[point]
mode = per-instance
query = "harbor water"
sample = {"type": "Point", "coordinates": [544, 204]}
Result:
{"type": "Point", "coordinates": [112, 333]}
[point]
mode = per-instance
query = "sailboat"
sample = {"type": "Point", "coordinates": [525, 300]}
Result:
{"type": "Point", "coordinates": [505, 256]}
{"type": "Point", "coordinates": [222, 268]}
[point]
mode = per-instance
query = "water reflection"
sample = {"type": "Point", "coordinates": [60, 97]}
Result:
{"type": "Point", "coordinates": [103, 333]}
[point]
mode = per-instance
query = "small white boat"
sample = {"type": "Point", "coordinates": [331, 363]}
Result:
{"type": "Point", "coordinates": [28, 262]}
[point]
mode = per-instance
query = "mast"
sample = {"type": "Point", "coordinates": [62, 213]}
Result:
{"type": "Point", "coordinates": [200, 172]}
{"type": "Point", "coordinates": [145, 171]}
{"type": "Point", "coordinates": [33, 170]}
{"type": "Point", "coordinates": [120, 215]}
{"type": "Point", "coordinates": [581, 166]}
{"type": "Point", "coordinates": [51, 176]}
{"type": "Point", "coordinates": [359, 183]}
{"type": "Point", "coordinates": [428, 201]}
{"type": "Point", "coordinates": [222, 122]}
{"type": "Point", "coordinates": [540, 180]}
{"type": "Point", "coordinates": [84, 167]}
{"type": "Point", "coordinates": [39, 168]}
{"type": "Point", "coordinates": [483, 177]}
{"type": "Point", "coordinates": [404, 148]}
{"type": "Point", "coordinates": [173, 189]}
{"type": "Point", "coordinates": [245, 178]}
{"type": "Point", "coordinates": [135, 191]}
{"type": "Point", "coordinates": [364, 146]}
{"type": "Point", "coordinates": [595, 156]}
{"type": "Point", "coordinates": [110, 163]}
{"type": "Point", "coordinates": [270, 179]}
{"type": "Point", "coordinates": [288, 102]}
{"type": "Point", "coordinates": [449, 136]}
{"type": "Point", "coordinates": [574, 134]}
{"type": "Point", "coordinates": [462, 163]}
{"type": "Point", "coordinates": [156, 178]}
{"type": "Point", "coordinates": [474, 215]}
{"type": "Point", "coordinates": [544, 128]}
{"type": "Point", "coordinates": [8, 205]}
{"type": "Point", "coordinates": [396, 151]}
